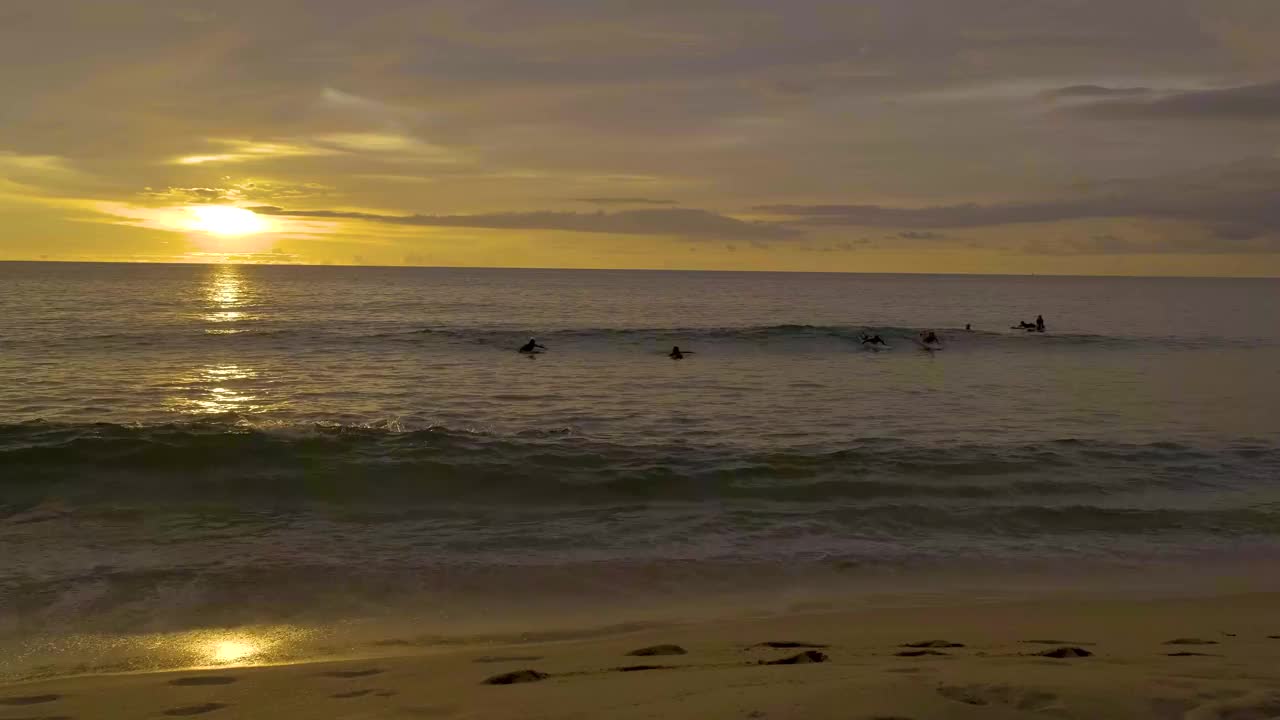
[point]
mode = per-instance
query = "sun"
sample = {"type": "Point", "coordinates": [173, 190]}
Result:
{"type": "Point", "coordinates": [225, 220]}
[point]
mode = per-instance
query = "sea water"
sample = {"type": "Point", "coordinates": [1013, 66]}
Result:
{"type": "Point", "coordinates": [201, 448]}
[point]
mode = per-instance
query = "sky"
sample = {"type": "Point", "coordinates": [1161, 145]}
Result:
{"type": "Point", "coordinates": [1132, 137]}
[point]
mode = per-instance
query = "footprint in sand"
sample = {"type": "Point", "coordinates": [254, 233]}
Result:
{"type": "Point", "coordinates": [194, 709]}
{"type": "Point", "coordinates": [519, 676]}
{"type": "Point", "coordinates": [29, 699]}
{"type": "Point", "coordinates": [933, 644]}
{"type": "Point", "coordinates": [1056, 642]}
{"type": "Point", "coordinates": [349, 674]}
{"type": "Point", "coordinates": [1190, 641]}
{"type": "Point", "coordinates": [808, 656]}
{"type": "Point", "coordinates": [361, 693]}
{"type": "Point", "coordinates": [1015, 697]}
{"type": "Point", "coordinates": [201, 680]}
{"type": "Point", "coordinates": [1063, 653]}
{"type": "Point", "coordinates": [786, 645]}
{"type": "Point", "coordinates": [659, 650]}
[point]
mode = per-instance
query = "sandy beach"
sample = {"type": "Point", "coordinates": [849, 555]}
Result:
{"type": "Point", "coordinates": [1204, 657]}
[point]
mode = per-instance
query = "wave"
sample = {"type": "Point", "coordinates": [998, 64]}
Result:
{"type": "Point", "coordinates": [780, 338]}
{"type": "Point", "coordinates": [390, 465]}
{"type": "Point", "coordinates": [789, 334]}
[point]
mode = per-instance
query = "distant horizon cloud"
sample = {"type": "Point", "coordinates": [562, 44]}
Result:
{"type": "Point", "coordinates": [1096, 91]}
{"type": "Point", "coordinates": [1244, 102]}
{"type": "Point", "coordinates": [1233, 203]}
{"type": "Point", "coordinates": [675, 222]}
{"type": "Point", "coordinates": [624, 201]}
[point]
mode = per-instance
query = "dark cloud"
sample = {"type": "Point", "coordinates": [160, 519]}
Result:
{"type": "Point", "coordinates": [1237, 202]}
{"type": "Point", "coordinates": [672, 221]}
{"type": "Point", "coordinates": [247, 191]}
{"type": "Point", "coordinates": [625, 201]}
{"type": "Point", "coordinates": [1244, 102]}
{"type": "Point", "coordinates": [1096, 91]}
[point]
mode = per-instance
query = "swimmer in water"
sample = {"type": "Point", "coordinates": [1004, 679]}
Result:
{"type": "Point", "coordinates": [1039, 323]}
{"type": "Point", "coordinates": [873, 340]}
{"type": "Point", "coordinates": [531, 346]}
{"type": "Point", "coordinates": [929, 338]}
{"type": "Point", "coordinates": [676, 354]}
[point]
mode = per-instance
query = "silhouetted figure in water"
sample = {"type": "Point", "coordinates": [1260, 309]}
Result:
{"type": "Point", "coordinates": [531, 347]}
{"type": "Point", "coordinates": [930, 338]}
{"type": "Point", "coordinates": [1039, 323]}
{"type": "Point", "coordinates": [968, 328]}
{"type": "Point", "coordinates": [1024, 325]}
{"type": "Point", "coordinates": [676, 354]}
{"type": "Point", "coordinates": [873, 340]}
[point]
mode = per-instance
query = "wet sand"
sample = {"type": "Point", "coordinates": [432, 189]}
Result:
{"type": "Point", "coordinates": [1206, 657]}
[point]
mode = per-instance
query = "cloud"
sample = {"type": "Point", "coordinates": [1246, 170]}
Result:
{"type": "Point", "coordinates": [30, 172]}
{"type": "Point", "coordinates": [625, 201]}
{"type": "Point", "coordinates": [239, 151]}
{"type": "Point", "coordinates": [1244, 102]}
{"type": "Point", "coordinates": [1096, 91]}
{"type": "Point", "coordinates": [672, 221]}
{"type": "Point", "coordinates": [1235, 202]}
{"type": "Point", "coordinates": [245, 191]}
{"type": "Point", "coordinates": [393, 145]}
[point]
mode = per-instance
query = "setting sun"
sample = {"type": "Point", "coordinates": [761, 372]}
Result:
{"type": "Point", "coordinates": [225, 220]}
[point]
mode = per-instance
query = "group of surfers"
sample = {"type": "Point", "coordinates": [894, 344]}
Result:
{"type": "Point", "coordinates": [928, 338]}
{"type": "Point", "coordinates": [532, 347]}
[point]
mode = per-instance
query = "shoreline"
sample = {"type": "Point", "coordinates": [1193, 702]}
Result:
{"type": "Point", "coordinates": [1205, 656]}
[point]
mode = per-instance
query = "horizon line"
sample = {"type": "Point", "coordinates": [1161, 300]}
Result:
{"type": "Point", "coordinates": [672, 270]}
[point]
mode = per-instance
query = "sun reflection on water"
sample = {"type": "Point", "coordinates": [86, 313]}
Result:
{"type": "Point", "coordinates": [230, 651]}
{"type": "Point", "coordinates": [228, 294]}
{"type": "Point", "coordinates": [216, 389]}
{"type": "Point", "coordinates": [242, 646]}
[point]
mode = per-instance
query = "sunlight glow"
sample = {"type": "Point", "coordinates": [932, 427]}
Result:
{"type": "Point", "coordinates": [230, 651]}
{"type": "Point", "coordinates": [225, 220]}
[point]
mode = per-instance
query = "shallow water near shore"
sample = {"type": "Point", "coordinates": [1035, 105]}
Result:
{"type": "Point", "coordinates": [186, 449]}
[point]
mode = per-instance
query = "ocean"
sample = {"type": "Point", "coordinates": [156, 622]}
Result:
{"type": "Point", "coordinates": [207, 463]}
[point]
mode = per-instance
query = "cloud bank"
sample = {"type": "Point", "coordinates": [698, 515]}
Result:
{"type": "Point", "coordinates": [675, 222]}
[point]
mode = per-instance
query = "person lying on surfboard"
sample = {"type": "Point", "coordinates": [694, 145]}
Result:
{"type": "Point", "coordinates": [676, 354]}
{"type": "Point", "coordinates": [872, 340]}
{"type": "Point", "coordinates": [531, 346]}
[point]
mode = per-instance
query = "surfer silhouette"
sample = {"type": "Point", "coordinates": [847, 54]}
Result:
{"type": "Point", "coordinates": [531, 347]}
{"type": "Point", "coordinates": [676, 353]}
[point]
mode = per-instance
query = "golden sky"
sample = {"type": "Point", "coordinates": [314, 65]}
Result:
{"type": "Point", "coordinates": [1042, 136]}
